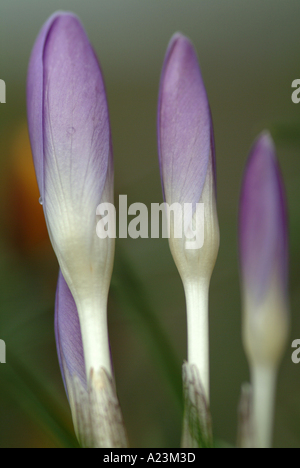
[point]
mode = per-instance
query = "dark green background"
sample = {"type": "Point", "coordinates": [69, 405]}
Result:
{"type": "Point", "coordinates": [249, 54]}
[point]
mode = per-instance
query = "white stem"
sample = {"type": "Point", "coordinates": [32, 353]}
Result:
{"type": "Point", "coordinates": [264, 387]}
{"type": "Point", "coordinates": [196, 294]}
{"type": "Point", "coordinates": [94, 332]}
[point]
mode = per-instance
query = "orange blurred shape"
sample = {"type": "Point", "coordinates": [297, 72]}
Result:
{"type": "Point", "coordinates": [25, 222]}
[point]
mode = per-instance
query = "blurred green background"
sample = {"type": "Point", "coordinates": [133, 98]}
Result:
{"type": "Point", "coordinates": [249, 56]}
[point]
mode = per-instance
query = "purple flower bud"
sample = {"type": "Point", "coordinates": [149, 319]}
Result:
{"type": "Point", "coordinates": [264, 275]}
{"type": "Point", "coordinates": [67, 113]}
{"type": "Point", "coordinates": [263, 221]}
{"type": "Point", "coordinates": [187, 167]}
{"type": "Point", "coordinates": [71, 144]}
{"type": "Point", "coordinates": [95, 409]}
{"type": "Point", "coordinates": [187, 155]}
{"type": "Point", "coordinates": [185, 132]}
{"type": "Point", "coordinates": [264, 254]}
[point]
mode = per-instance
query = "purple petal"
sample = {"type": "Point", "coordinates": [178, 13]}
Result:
{"type": "Point", "coordinates": [68, 334]}
{"type": "Point", "coordinates": [263, 221]}
{"type": "Point", "coordinates": [35, 100]}
{"type": "Point", "coordinates": [185, 134]}
{"type": "Point", "coordinates": [67, 111]}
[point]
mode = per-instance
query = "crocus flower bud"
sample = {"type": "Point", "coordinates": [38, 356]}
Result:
{"type": "Point", "coordinates": [95, 409]}
{"type": "Point", "coordinates": [187, 166]}
{"type": "Point", "coordinates": [264, 276]}
{"type": "Point", "coordinates": [264, 256]}
{"type": "Point", "coordinates": [71, 144]}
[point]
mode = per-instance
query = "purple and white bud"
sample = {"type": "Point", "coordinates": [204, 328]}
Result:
{"type": "Point", "coordinates": [263, 237]}
{"type": "Point", "coordinates": [188, 176]}
{"type": "Point", "coordinates": [71, 144]}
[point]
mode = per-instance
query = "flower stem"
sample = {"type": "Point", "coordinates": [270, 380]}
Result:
{"type": "Point", "coordinates": [196, 294]}
{"type": "Point", "coordinates": [95, 339]}
{"type": "Point", "coordinates": [264, 386]}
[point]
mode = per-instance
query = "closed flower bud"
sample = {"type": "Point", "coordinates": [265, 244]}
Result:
{"type": "Point", "coordinates": [264, 277]}
{"type": "Point", "coordinates": [188, 175]}
{"type": "Point", "coordinates": [264, 256]}
{"type": "Point", "coordinates": [95, 408]}
{"type": "Point", "coordinates": [71, 144]}
{"type": "Point", "coordinates": [187, 159]}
